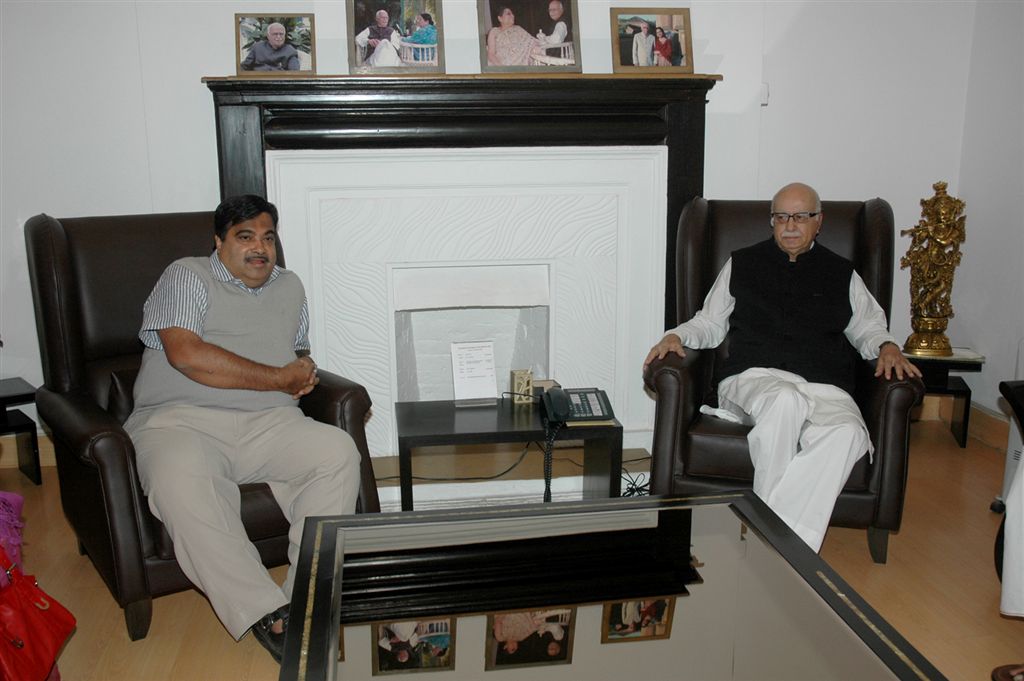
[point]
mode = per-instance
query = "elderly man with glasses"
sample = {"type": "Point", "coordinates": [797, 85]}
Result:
{"type": "Point", "coordinates": [272, 54]}
{"type": "Point", "coordinates": [795, 314]}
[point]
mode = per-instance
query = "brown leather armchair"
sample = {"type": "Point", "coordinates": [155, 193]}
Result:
{"type": "Point", "coordinates": [90, 278]}
{"type": "Point", "coordinates": [697, 454]}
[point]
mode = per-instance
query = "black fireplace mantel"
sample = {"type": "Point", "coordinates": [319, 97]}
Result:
{"type": "Point", "coordinates": [254, 115]}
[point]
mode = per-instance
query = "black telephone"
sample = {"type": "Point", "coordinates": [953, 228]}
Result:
{"type": "Point", "coordinates": [568, 405]}
{"type": "Point", "coordinates": [576, 404]}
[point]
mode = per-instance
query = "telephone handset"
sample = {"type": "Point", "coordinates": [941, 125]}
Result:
{"type": "Point", "coordinates": [576, 404]}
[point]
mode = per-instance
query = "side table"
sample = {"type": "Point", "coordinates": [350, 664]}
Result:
{"type": "Point", "coordinates": [18, 391]}
{"type": "Point", "coordinates": [426, 424]}
{"type": "Point", "coordinates": [937, 381]}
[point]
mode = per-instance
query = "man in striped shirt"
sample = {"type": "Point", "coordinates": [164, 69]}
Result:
{"type": "Point", "coordinates": [226, 358]}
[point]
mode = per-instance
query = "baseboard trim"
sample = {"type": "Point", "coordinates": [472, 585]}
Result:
{"type": "Point", "coordinates": [477, 494]}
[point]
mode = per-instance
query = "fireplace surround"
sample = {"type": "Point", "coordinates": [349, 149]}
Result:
{"type": "Point", "coordinates": [633, 149]}
{"type": "Point", "coordinates": [255, 116]}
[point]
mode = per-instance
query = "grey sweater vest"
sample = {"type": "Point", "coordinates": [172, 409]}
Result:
{"type": "Point", "coordinates": [261, 328]}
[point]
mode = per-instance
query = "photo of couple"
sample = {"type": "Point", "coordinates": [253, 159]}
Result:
{"type": "Point", "coordinates": [410, 645]}
{"type": "Point", "coordinates": [396, 36]}
{"type": "Point", "coordinates": [646, 619]}
{"type": "Point", "coordinates": [530, 637]}
{"type": "Point", "coordinates": [651, 40]}
{"type": "Point", "coordinates": [528, 35]}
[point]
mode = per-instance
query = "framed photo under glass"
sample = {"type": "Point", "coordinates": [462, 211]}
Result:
{"type": "Point", "coordinates": [275, 46]}
{"type": "Point", "coordinates": [528, 36]}
{"type": "Point", "coordinates": [643, 619]}
{"type": "Point", "coordinates": [414, 645]}
{"type": "Point", "coordinates": [530, 638]}
{"type": "Point", "coordinates": [395, 36]}
{"type": "Point", "coordinates": [651, 39]}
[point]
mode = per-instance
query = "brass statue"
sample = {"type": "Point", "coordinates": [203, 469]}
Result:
{"type": "Point", "coordinates": [932, 257]}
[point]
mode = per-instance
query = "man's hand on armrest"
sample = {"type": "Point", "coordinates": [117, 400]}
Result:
{"type": "Point", "coordinates": [213, 366]}
{"type": "Point", "coordinates": [670, 343]}
{"type": "Point", "coordinates": [891, 360]}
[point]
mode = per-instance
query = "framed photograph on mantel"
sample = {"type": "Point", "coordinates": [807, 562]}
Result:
{"type": "Point", "coordinates": [529, 36]}
{"type": "Point", "coordinates": [395, 36]}
{"type": "Point", "coordinates": [279, 46]}
{"type": "Point", "coordinates": [651, 39]}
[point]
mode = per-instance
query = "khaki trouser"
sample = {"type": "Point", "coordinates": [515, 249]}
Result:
{"type": "Point", "coordinates": [191, 461]}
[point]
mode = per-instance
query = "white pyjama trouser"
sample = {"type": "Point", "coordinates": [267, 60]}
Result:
{"type": "Point", "coordinates": [805, 440]}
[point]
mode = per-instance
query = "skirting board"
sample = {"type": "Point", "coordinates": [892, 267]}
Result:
{"type": "Point", "coordinates": [477, 494]}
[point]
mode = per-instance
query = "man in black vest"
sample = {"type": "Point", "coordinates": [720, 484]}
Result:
{"type": "Point", "coordinates": [795, 315]}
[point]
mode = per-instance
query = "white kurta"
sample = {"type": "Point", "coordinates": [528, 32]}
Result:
{"type": "Point", "coordinates": [386, 52]}
{"type": "Point", "coordinates": [806, 437]}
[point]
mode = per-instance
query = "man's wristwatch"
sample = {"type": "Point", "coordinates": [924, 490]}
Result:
{"type": "Point", "coordinates": [887, 343]}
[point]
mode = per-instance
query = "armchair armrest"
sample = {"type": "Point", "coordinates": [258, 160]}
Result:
{"type": "Point", "coordinates": [98, 472]}
{"type": "Point", "coordinates": [337, 401]}
{"type": "Point", "coordinates": [881, 399]}
{"type": "Point", "coordinates": [886, 405]}
{"type": "Point", "coordinates": [88, 431]}
{"type": "Point", "coordinates": [674, 380]}
{"type": "Point", "coordinates": [344, 403]}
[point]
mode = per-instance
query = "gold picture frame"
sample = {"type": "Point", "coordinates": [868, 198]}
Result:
{"type": "Point", "coordinates": [651, 40]}
{"type": "Point", "coordinates": [256, 56]}
{"type": "Point", "coordinates": [529, 36]}
{"type": "Point", "coordinates": [643, 619]}
{"type": "Point", "coordinates": [529, 638]}
{"type": "Point", "coordinates": [404, 50]}
{"type": "Point", "coordinates": [413, 646]}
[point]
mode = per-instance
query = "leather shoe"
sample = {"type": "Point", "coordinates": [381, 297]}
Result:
{"type": "Point", "coordinates": [274, 643]}
{"type": "Point", "coordinates": [1008, 672]}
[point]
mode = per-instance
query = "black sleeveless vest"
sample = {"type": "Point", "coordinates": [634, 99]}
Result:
{"type": "Point", "coordinates": [791, 315]}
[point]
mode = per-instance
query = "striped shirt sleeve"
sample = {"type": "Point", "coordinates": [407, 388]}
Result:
{"type": "Point", "coordinates": [302, 335]}
{"type": "Point", "coordinates": [178, 299]}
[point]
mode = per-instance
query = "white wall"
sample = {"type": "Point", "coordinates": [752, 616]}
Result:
{"type": "Point", "coordinates": [989, 284]}
{"type": "Point", "coordinates": [103, 112]}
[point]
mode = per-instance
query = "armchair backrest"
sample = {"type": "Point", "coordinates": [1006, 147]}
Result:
{"type": "Point", "coordinates": [90, 278]}
{"type": "Point", "coordinates": [709, 231]}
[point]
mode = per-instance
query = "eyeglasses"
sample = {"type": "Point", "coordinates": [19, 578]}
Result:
{"type": "Point", "coordinates": [781, 219]}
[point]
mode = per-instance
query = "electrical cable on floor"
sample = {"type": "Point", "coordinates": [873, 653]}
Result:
{"type": "Point", "coordinates": [522, 455]}
{"type": "Point", "coordinates": [637, 486]}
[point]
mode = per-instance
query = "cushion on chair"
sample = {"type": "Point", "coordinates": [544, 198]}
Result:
{"type": "Point", "coordinates": [718, 449]}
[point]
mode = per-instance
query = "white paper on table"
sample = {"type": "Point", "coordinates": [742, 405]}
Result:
{"type": "Point", "coordinates": [473, 370]}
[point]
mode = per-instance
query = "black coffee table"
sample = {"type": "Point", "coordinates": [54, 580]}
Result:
{"type": "Point", "coordinates": [426, 424]}
{"type": "Point", "coordinates": [761, 604]}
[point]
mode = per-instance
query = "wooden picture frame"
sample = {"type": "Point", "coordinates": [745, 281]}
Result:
{"type": "Point", "coordinates": [529, 36]}
{"type": "Point", "coordinates": [643, 619]}
{"type": "Point", "coordinates": [423, 645]}
{"type": "Point", "coordinates": [414, 43]}
{"type": "Point", "coordinates": [258, 54]}
{"type": "Point", "coordinates": [669, 42]}
{"type": "Point", "coordinates": [530, 638]}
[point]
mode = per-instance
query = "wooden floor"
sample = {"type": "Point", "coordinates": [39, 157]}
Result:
{"type": "Point", "coordinates": [939, 587]}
